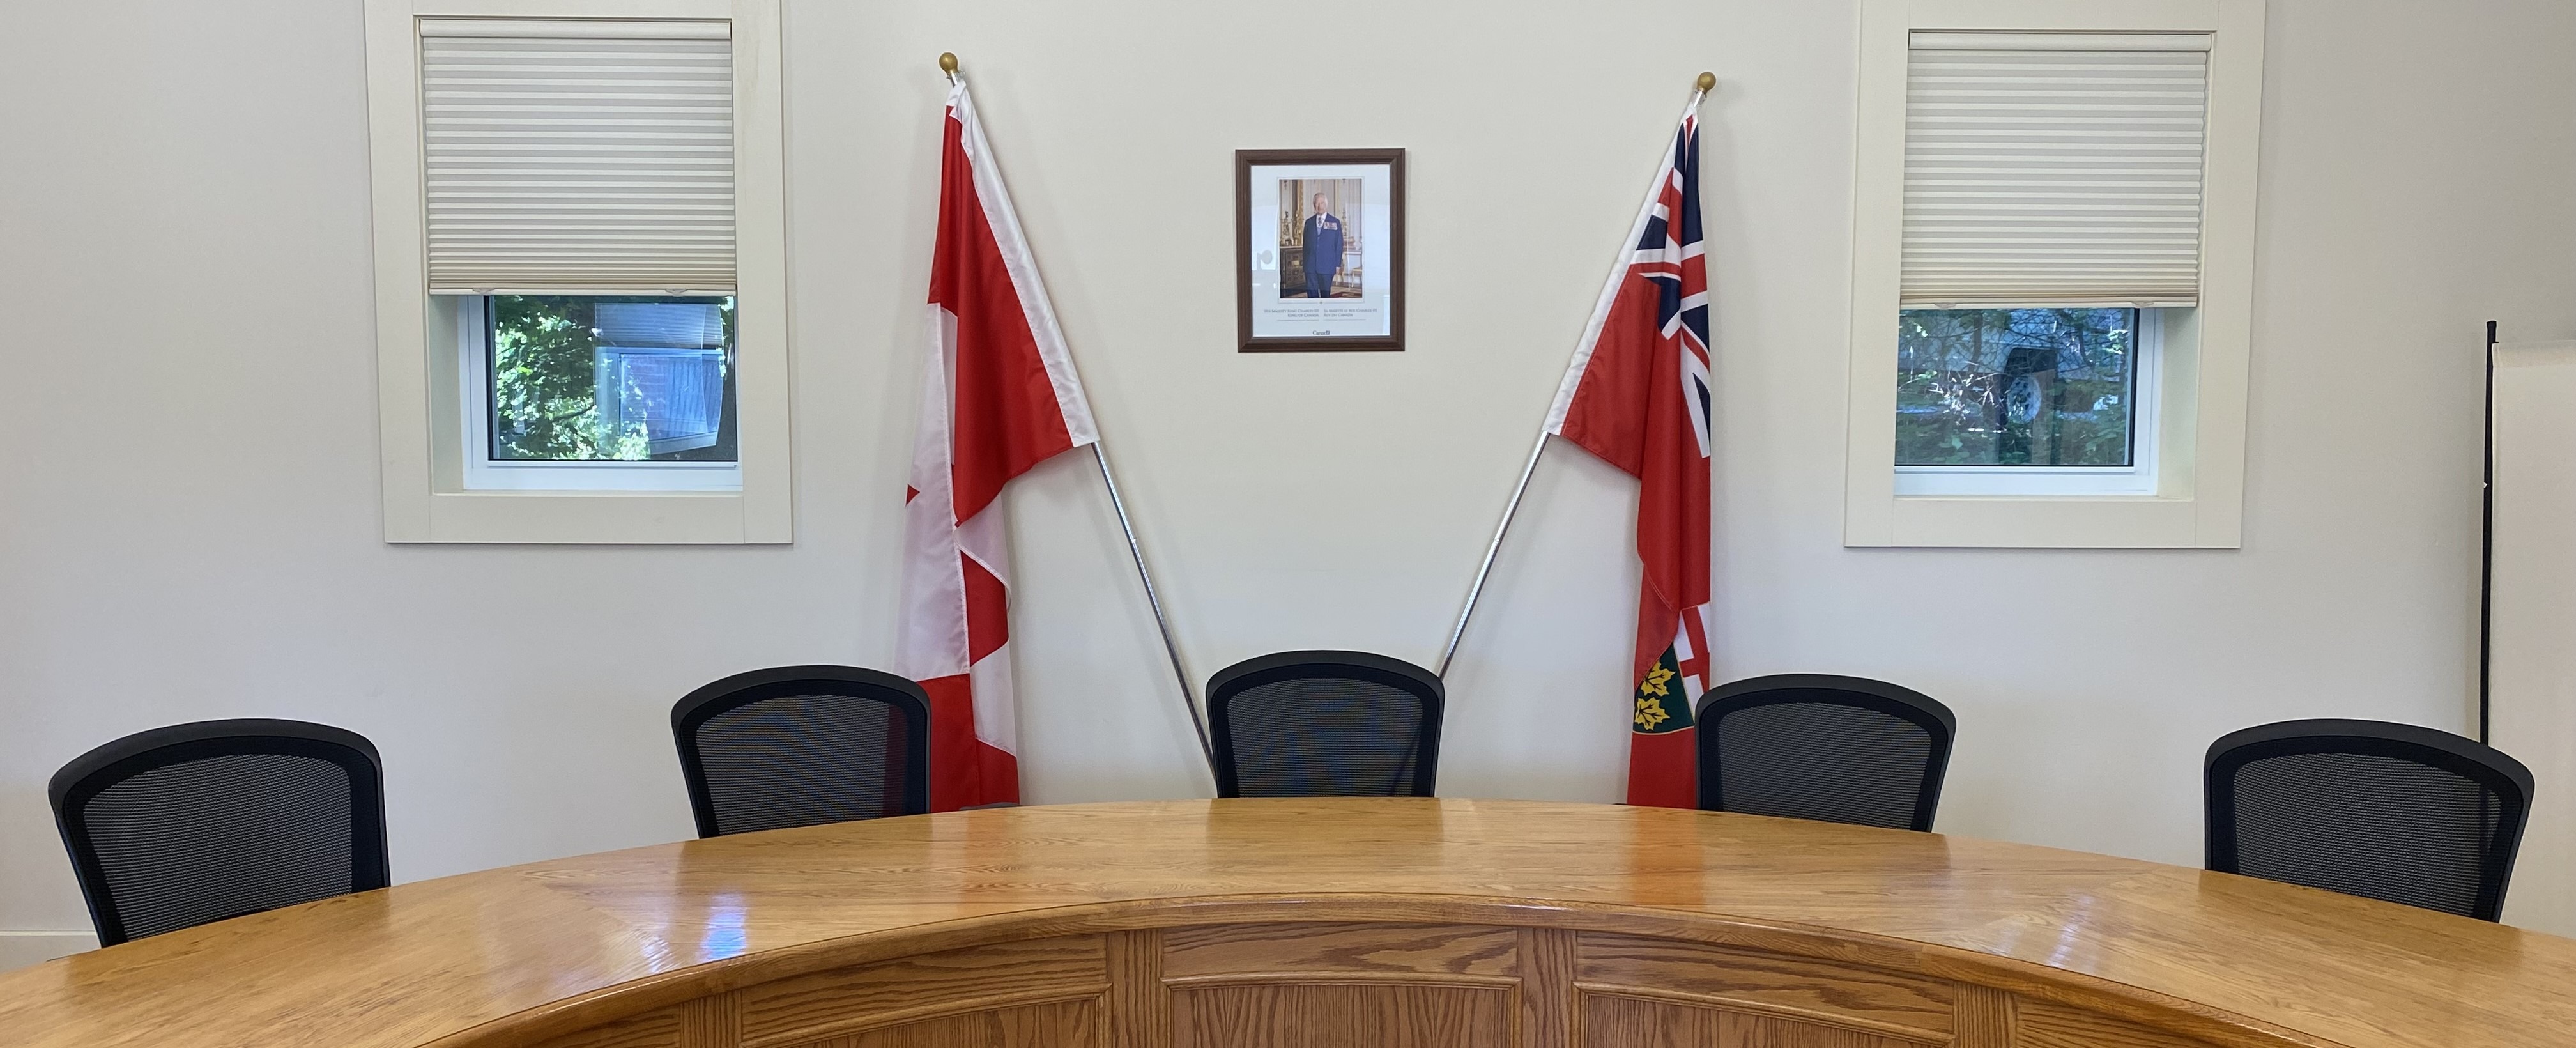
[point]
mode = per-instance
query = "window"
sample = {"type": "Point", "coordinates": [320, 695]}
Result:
{"type": "Point", "coordinates": [2052, 272]}
{"type": "Point", "coordinates": [576, 392]}
{"type": "Point", "coordinates": [580, 270]}
{"type": "Point", "coordinates": [2032, 401]}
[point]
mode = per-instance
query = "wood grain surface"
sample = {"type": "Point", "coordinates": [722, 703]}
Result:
{"type": "Point", "coordinates": [699, 943]}
{"type": "Point", "coordinates": [806, 1008]}
{"type": "Point", "coordinates": [1235, 951]}
{"type": "Point", "coordinates": [1065, 1024]}
{"type": "Point", "coordinates": [1342, 1015]}
{"type": "Point", "coordinates": [1612, 1021]}
{"type": "Point", "coordinates": [2041, 1025]}
{"type": "Point", "coordinates": [1868, 999]}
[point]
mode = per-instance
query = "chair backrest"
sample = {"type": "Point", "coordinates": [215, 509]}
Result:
{"type": "Point", "coordinates": [195, 823]}
{"type": "Point", "coordinates": [1325, 724]}
{"type": "Point", "coordinates": [2393, 812]}
{"type": "Point", "coordinates": [1826, 747]}
{"type": "Point", "coordinates": [801, 746]}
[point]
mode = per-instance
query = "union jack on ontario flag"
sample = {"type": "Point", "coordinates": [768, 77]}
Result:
{"type": "Point", "coordinates": [1637, 396]}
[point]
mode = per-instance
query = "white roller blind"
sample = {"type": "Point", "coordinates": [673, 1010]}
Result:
{"type": "Point", "coordinates": [578, 156]}
{"type": "Point", "coordinates": [2054, 169]}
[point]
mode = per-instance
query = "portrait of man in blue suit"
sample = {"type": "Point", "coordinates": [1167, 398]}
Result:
{"type": "Point", "coordinates": [1323, 240]}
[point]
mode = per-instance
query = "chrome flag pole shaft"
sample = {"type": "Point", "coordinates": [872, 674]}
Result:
{"type": "Point", "coordinates": [1706, 83]}
{"type": "Point", "coordinates": [1509, 509]}
{"type": "Point", "coordinates": [1171, 649]}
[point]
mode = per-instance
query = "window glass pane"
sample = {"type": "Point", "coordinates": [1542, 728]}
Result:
{"type": "Point", "coordinates": [2015, 387]}
{"type": "Point", "coordinates": [611, 378]}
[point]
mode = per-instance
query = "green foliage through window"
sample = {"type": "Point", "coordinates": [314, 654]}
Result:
{"type": "Point", "coordinates": [580, 379]}
{"type": "Point", "coordinates": [2015, 387]}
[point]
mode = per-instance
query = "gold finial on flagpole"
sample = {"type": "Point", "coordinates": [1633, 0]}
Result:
{"type": "Point", "coordinates": [948, 63]}
{"type": "Point", "coordinates": [1707, 81]}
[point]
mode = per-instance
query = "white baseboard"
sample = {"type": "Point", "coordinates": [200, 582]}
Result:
{"type": "Point", "coordinates": [20, 949]}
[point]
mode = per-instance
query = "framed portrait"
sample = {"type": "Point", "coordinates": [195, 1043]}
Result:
{"type": "Point", "coordinates": [1319, 249]}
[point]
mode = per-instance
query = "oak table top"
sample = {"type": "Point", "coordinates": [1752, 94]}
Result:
{"type": "Point", "coordinates": [436, 959]}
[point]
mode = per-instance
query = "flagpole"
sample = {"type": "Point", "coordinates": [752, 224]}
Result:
{"type": "Point", "coordinates": [1170, 649]}
{"type": "Point", "coordinates": [1510, 509]}
{"type": "Point", "coordinates": [1700, 88]}
{"type": "Point", "coordinates": [1135, 551]}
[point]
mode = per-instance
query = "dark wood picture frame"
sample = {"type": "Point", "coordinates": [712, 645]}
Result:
{"type": "Point", "coordinates": [1247, 159]}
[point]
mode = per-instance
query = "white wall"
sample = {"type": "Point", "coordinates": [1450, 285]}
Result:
{"type": "Point", "coordinates": [188, 520]}
{"type": "Point", "coordinates": [2535, 610]}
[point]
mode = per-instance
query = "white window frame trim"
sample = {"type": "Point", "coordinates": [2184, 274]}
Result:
{"type": "Point", "coordinates": [2199, 430]}
{"type": "Point", "coordinates": [419, 365]}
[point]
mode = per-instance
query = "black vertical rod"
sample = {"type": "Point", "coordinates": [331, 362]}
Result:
{"type": "Point", "coordinates": [2486, 543]}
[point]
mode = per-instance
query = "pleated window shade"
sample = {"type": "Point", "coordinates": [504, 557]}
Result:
{"type": "Point", "coordinates": [578, 156]}
{"type": "Point", "coordinates": [2054, 169]}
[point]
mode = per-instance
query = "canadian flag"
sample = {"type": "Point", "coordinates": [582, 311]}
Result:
{"type": "Point", "coordinates": [1000, 397]}
{"type": "Point", "coordinates": [1637, 396]}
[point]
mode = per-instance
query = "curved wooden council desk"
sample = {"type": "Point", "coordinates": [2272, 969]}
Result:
{"type": "Point", "coordinates": [1279, 924]}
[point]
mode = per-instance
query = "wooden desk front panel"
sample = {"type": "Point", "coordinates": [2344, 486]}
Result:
{"type": "Point", "coordinates": [1355, 985]}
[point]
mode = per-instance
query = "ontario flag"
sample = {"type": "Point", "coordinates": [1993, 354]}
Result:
{"type": "Point", "coordinates": [1637, 396]}
{"type": "Point", "coordinates": [1000, 397]}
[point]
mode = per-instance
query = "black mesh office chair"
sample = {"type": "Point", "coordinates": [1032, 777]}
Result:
{"type": "Point", "coordinates": [195, 823]}
{"type": "Point", "coordinates": [1325, 724]}
{"type": "Point", "coordinates": [2388, 811]}
{"type": "Point", "coordinates": [1825, 747]}
{"type": "Point", "coordinates": [801, 746]}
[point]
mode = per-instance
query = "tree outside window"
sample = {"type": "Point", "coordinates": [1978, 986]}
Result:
{"type": "Point", "coordinates": [584, 379]}
{"type": "Point", "coordinates": [2016, 387]}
